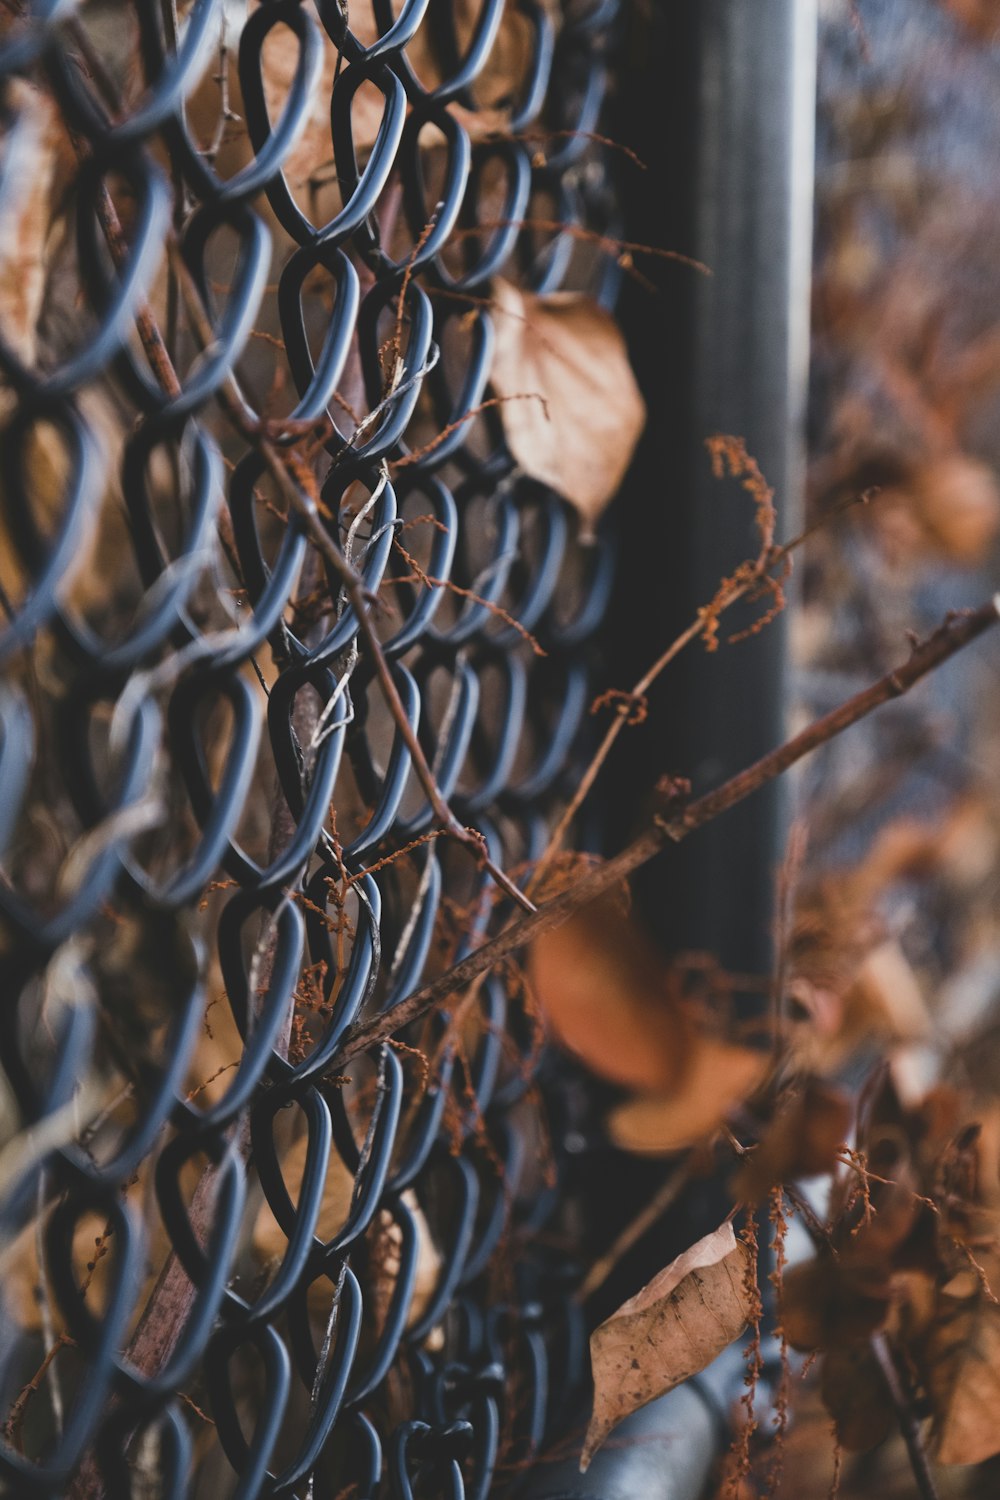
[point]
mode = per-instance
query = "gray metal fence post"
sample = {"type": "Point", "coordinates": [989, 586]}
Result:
{"type": "Point", "coordinates": [729, 355]}
{"type": "Point", "coordinates": [753, 222]}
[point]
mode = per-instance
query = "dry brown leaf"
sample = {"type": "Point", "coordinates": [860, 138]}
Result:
{"type": "Point", "coordinates": [949, 506]}
{"type": "Point", "coordinates": [603, 986]}
{"type": "Point", "coordinates": [886, 999]}
{"type": "Point", "coordinates": [669, 1331]}
{"type": "Point", "coordinates": [717, 1077]}
{"type": "Point", "coordinates": [829, 1303]}
{"type": "Point", "coordinates": [615, 1002]}
{"type": "Point", "coordinates": [802, 1140]}
{"type": "Point", "coordinates": [26, 215]}
{"type": "Point", "coordinates": [980, 16]}
{"type": "Point", "coordinates": [580, 436]}
{"type": "Point", "coordinates": [883, 1000]}
{"type": "Point", "coordinates": [962, 1374]}
{"type": "Point", "coordinates": [855, 1394]}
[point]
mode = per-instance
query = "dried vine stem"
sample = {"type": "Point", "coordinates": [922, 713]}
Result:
{"type": "Point", "coordinates": [665, 1196]}
{"type": "Point", "coordinates": [908, 1424]}
{"type": "Point", "coordinates": [746, 579]}
{"type": "Point", "coordinates": [957, 631]}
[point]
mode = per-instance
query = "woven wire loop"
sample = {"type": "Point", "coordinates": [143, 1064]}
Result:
{"type": "Point", "coordinates": [198, 767]}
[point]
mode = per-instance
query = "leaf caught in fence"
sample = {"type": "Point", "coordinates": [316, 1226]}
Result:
{"type": "Point", "coordinates": [617, 1004]}
{"type": "Point", "coordinates": [718, 1076]}
{"type": "Point", "coordinates": [580, 436]}
{"type": "Point", "coordinates": [670, 1330]}
{"type": "Point", "coordinates": [604, 988]}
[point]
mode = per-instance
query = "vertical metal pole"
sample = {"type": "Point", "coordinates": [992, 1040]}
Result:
{"type": "Point", "coordinates": [753, 223]}
{"type": "Point", "coordinates": [723, 112]}
{"type": "Point", "coordinates": [719, 100]}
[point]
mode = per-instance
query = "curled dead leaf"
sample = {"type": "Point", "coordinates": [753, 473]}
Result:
{"type": "Point", "coordinates": [670, 1330]}
{"type": "Point", "coordinates": [717, 1077]}
{"type": "Point", "coordinates": [572, 411]}
{"type": "Point", "coordinates": [828, 1303]}
{"type": "Point", "coordinates": [856, 1396]}
{"type": "Point", "coordinates": [802, 1140]}
{"type": "Point", "coordinates": [603, 986]}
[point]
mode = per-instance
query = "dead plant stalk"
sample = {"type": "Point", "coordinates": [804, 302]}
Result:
{"type": "Point", "coordinates": [672, 826]}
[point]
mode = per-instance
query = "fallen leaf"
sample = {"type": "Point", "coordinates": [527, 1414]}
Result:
{"type": "Point", "coordinates": [603, 986]}
{"type": "Point", "coordinates": [827, 1303]}
{"type": "Point", "coordinates": [571, 409]}
{"type": "Point", "coordinates": [34, 171]}
{"type": "Point", "coordinates": [802, 1140]}
{"type": "Point", "coordinates": [717, 1077]}
{"type": "Point", "coordinates": [947, 506]}
{"type": "Point", "coordinates": [670, 1330]}
{"type": "Point", "coordinates": [962, 1374]}
{"type": "Point", "coordinates": [855, 1394]}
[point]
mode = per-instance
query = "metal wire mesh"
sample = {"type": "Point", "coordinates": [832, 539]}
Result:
{"type": "Point", "coordinates": [228, 1270]}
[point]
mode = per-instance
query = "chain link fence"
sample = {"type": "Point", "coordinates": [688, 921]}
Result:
{"type": "Point", "coordinates": [265, 549]}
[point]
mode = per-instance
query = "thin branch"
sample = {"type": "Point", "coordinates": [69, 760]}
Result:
{"type": "Point", "coordinates": [665, 1196]}
{"type": "Point", "coordinates": [623, 250]}
{"type": "Point", "coordinates": [744, 581]}
{"type": "Point", "coordinates": [957, 631]}
{"type": "Point", "coordinates": [298, 487]}
{"type": "Point", "coordinates": [909, 1426]}
{"type": "Point", "coordinates": [290, 473]}
{"type": "Point", "coordinates": [15, 1420]}
{"type": "Point", "coordinates": [355, 591]}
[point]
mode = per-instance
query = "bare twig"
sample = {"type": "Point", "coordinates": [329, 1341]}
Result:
{"type": "Point", "coordinates": [908, 1423]}
{"type": "Point", "coordinates": [12, 1427]}
{"type": "Point", "coordinates": [623, 250]}
{"type": "Point", "coordinates": [745, 580]}
{"type": "Point", "coordinates": [297, 485]}
{"type": "Point", "coordinates": [956, 632]}
{"type": "Point", "coordinates": [292, 475]}
{"type": "Point", "coordinates": [644, 1220]}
